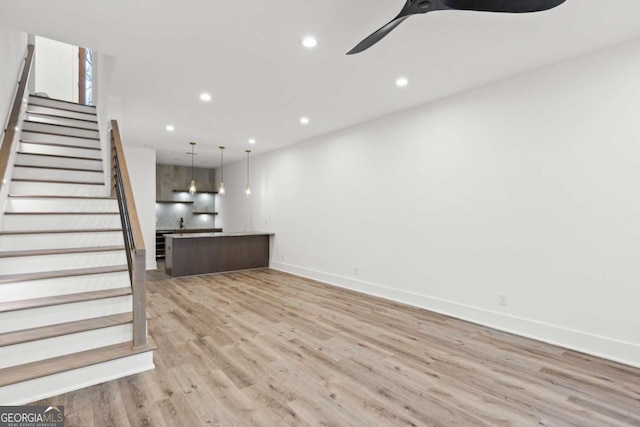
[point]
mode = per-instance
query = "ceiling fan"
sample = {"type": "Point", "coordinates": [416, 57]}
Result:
{"type": "Point", "coordinates": [415, 7]}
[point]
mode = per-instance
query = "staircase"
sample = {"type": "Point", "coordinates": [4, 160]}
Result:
{"type": "Point", "coordinates": [65, 289]}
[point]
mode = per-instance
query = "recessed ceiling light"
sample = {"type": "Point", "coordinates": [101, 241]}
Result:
{"type": "Point", "coordinates": [304, 120]}
{"type": "Point", "coordinates": [402, 82]}
{"type": "Point", "coordinates": [205, 97]}
{"type": "Point", "coordinates": [170, 128]}
{"type": "Point", "coordinates": [309, 42]}
{"type": "Point", "coordinates": [252, 141]}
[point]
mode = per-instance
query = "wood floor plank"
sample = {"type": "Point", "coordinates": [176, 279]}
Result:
{"type": "Point", "coordinates": [138, 404]}
{"type": "Point", "coordinates": [266, 348]}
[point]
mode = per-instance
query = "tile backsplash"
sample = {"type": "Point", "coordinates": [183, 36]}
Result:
{"type": "Point", "coordinates": [168, 215]}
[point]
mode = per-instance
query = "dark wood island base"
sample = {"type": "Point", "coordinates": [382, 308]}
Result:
{"type": "Point", "coordinates": [205, 253]}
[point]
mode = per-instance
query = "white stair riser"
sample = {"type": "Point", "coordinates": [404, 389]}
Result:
{"type": "Point", "coordinates": [60, 222]}
{"type": "Point", "coordinates": [56, 189]}
{"type": "Point", "coordinates": [26, 159]}
{"type": "Point", "coordinates": [61, 346]}
{"type": "Point", "coordinates": [26, 147]}
{"type": "Point", "coordinates": [25, 242]}
{"type": "Point", "coordinates": [57, 174]}
{"type": "Point", "coordinates": [64, 113]}
{"type": "Point", "coordinates": [40, 118]}
{"type": "Point", "coordinates": [61, 105]}
{"type": "Point", "coordinates": [63, 286]}
{"type": "Point", "coordinates": [30, 264]}
{"type": "Point", "coordinates": [63, 313]}
{"type": "Point", "coordinates": [59, 130]}
{"type": "Point", "coordinates": [54, 385]}
{"type": "Point", "coordinates": [57, 139]}
{"type": "Point", "coordinates": [61, 205]}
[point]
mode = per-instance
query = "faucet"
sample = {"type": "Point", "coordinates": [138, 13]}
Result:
{"type": "Point", "coordinates": [181, 223]}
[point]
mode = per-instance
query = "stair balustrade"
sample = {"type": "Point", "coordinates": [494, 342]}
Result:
{"type": "Point", "coordinates": [14, 117]}
{"type": "Point", "coordinates": [133, 240]}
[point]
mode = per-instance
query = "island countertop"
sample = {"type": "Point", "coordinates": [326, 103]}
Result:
{"type": "Point", "coordinates": [230, 234]}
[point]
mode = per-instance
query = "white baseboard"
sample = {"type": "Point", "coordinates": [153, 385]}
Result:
{"type": "Point", "coordinates": [54, 385]}
{"type": "Point", "coordinates": [595, 345]}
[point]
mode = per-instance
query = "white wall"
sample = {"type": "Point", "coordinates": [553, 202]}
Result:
{"type": "Point", "coordinates": [529, 188]}
{"type": "Point", "coordinates": [56, 69]}
{"type": "Point", "coordinates": [141, 164]}
{"type": "Point", "coordinates": [13, 46]}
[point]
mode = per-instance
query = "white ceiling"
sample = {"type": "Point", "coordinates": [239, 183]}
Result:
{"type": "Point", "coordinates": [248, 55]}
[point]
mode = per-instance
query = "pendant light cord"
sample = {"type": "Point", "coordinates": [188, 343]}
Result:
{"type": "Point", "coordinates": [248, 152]}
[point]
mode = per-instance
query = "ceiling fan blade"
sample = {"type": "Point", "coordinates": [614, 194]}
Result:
{"type": "Point", "coordinates": [414, 7]}
{"type": "Point", "coordinates": [377, 36]}
{"type": "Point", "coordinates": [411, 7]}
{"type": "Point", "coordinates": [507, 6]}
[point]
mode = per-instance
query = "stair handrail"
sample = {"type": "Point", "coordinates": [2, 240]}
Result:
{"type": "Point", "coordinates": [14, 117]}
{"type": "Point", "coordinates": [133, 238]}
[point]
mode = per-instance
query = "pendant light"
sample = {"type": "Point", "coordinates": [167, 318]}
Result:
{"type": "Point", "coordinates": [192, 186]}
{"type": "Point", "coordinates": [221, 189]}
{"type": "Point", "coordinates": [247, 192]}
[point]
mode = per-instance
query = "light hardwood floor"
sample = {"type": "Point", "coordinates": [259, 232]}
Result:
{"type": "Point", "coordinates": [270, 349]}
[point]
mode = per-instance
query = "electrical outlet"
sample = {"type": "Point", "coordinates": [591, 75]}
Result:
{"type": "Point", "coordinates": [355, 270]}
{"type": "Point", "coordinates": [502, 299]}
{"type": "Point", "coordinates": [282, 256]}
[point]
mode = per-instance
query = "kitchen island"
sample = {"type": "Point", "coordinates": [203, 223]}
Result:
{"type": "Point", "coordinates": [161, 233]}
{"type": "Point", "coordinates": [189, 254]}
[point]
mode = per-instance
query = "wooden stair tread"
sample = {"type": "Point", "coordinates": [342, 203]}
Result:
{"type": "Point", "coordinates": [62, 109]}
{"type": "Point", "coordinates": [60, 100]}
{"type": "Point", "coordinates": [62, 213]}
{"type": "Point", "coordinates": [63, 299]}
{"type": "Point", "coordinates": [58, 144]}
{"type": "Point", "coordinates": [55, 124]}
{"type": "Point", "coordinates": [59, 156]}
{"type": "Point", "coordinates": [14, 254]}
{"type": "Point", "coordinates": [60, 329]}
{"type": "Point", "coordinates": [45, 196]}
{"type": "Point", "coordinates": [59, 134]}
{"type": "Point", "coordinates": [83, 230]}
{"type": "Point", "coordinates": [43, 368]}
{"type": "Point", "coordinates": [53, 181]}
{"type": "Point", "coordinates": [58, 168]}
{"type": "Point", "coordinates": [36, 113]}
{"type": "Point", "coordinates": [25, 277]}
